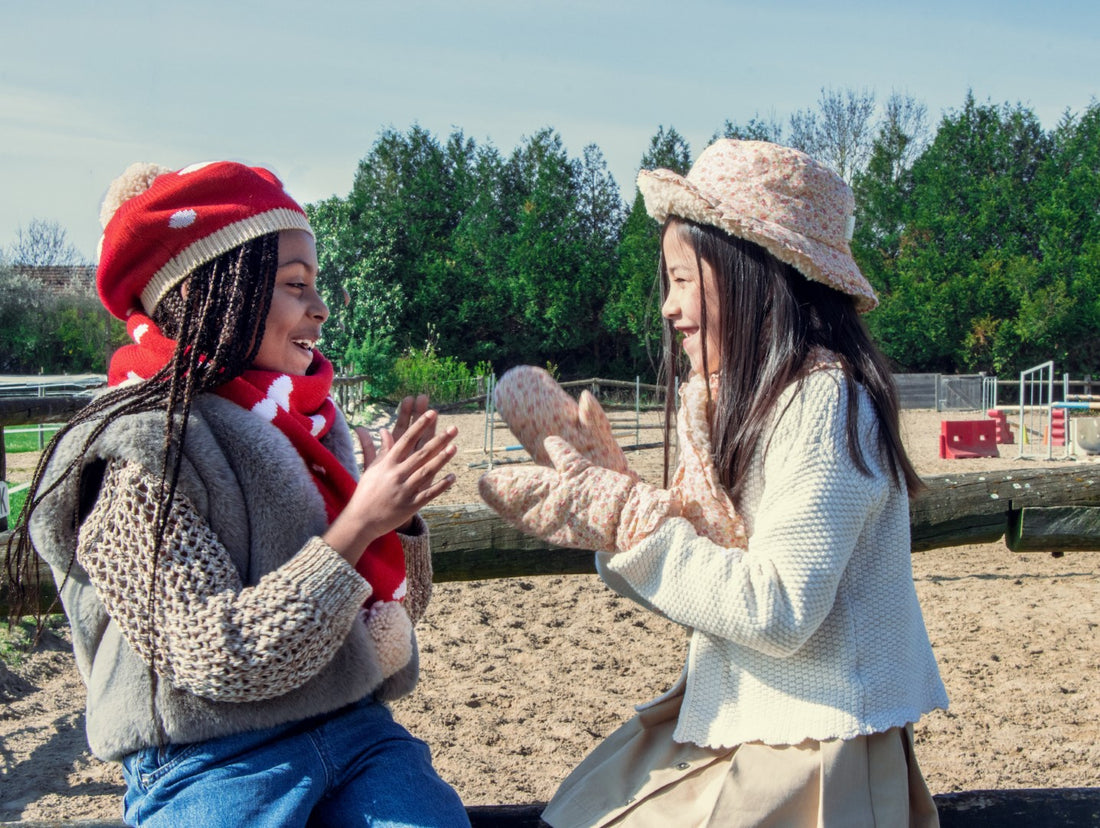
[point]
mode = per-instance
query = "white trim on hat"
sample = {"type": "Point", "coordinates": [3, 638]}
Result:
{"type": "Point", "coordinates": [221, 241]}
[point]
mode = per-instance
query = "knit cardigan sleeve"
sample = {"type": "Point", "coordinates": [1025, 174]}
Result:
{"type": "Point", "coordinates": [418, 568]}
{"type": "Point", "coordinates": [811, 511]}
{"type": "Point", "coordinates": [202, 630]}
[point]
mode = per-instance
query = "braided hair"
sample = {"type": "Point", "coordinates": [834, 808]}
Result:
{"type": "Point", "coordinates": [216, 317]}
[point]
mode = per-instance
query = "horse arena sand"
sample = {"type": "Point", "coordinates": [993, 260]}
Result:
{"type": "Point", "coordinates": [521, 677]}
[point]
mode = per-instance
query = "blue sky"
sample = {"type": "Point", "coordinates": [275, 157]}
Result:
{"type": "Point", "coordinates": [87, 88]}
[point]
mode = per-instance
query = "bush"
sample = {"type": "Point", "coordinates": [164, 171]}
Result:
{"type": "Point", "coordinates": [53, 334]}
{"type": "Point", "coordinates": [444, 379]}
{"type": "Point", "coordinates": [374, 359]}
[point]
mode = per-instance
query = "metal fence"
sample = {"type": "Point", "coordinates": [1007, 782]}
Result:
{"type": "Point", "coordinates": [947, 392]}
{"type": "Point", "coordinates": [49, 386]}
{"type": "Point", "coordinates": [1036, 397]}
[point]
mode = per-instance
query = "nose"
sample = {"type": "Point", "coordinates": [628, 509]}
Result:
{"type": "Point", "coordinates": [318, 309]}
{"type": "Point", "coordinates": [670, 308]}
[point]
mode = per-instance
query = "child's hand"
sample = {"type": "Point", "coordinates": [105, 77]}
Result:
{"type": "Point", "coordinates": [535, 407]}
{"type": "Point", "coordinates": [398, 481]}
{"type": "Point", "coordinates": [409, 410]}
{"type": "Point", "coordinates": [576, 503]}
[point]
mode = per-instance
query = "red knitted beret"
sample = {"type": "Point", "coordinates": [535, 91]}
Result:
{"type": "Point", "coordinates": [159, 225]}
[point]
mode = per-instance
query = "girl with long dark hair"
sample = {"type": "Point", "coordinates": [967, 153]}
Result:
{"type": "Point", "coordinates": [809, 661]}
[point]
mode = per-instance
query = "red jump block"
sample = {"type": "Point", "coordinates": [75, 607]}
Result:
{"type": "Point", "coordinates": [960, 439]}
{"type": "Point", "coordinates": [1004, 430]}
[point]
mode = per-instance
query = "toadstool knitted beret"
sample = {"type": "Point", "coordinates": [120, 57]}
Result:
{"type": "Point", "coordinates": [159, 225]}
{"type": "Point", "coordinates": [794, 207]}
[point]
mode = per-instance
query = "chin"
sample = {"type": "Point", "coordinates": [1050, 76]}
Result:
{"type": "Point", "coordinates": [301, 365]}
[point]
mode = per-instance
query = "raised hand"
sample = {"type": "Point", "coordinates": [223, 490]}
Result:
{"type": "Point", "coordinates": [409, 410]}
{"type": "Point", "coordinates": [535, 407]}
{"type": "Point", "coordinates": [398, 481]}
{"type": "Point", "coordinates": [576, 503]}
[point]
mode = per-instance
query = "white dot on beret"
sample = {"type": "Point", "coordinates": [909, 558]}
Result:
{"type": "Point", "coordinates": [182, 218]}
{"type": "Point", "coordinates": [195, 167]}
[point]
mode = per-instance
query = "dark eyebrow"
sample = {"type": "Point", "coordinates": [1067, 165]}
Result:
{"type": "Point", "coordinates": [290, 262]}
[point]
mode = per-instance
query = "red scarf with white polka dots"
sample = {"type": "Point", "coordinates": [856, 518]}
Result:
{"type": "Point", "coordinates": [299, 406]}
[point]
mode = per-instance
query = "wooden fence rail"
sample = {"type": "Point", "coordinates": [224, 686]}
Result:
{"type": "Point", "coordinates": [1034, 509]}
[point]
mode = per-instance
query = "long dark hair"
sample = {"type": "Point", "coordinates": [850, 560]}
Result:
{"type": "Point", "coordinates": [217, 317]}
{"type": "Point", "coordinates": [772, 317]}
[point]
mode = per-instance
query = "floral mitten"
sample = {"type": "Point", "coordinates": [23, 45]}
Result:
{"type": "Point", "coordinates": [576, 503]}
{"type": "Point", "coordinates": [535, 407]}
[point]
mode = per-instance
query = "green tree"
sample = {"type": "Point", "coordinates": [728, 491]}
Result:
{"type": "Point", "coordinates": [600, 207]}
{"type": "Point", "coordinates": [463, 292]}
{"type": "Point", "coordinates": [883, 190]}
{"type": "Point", "coordinates": [1063, 308]}
{"type": "Point", "coordinates": [965, 254]}
{"type": "Point", "coordinates": [632, 312]}
{"type": "Point", "coordinates": [41, 332]}
{"type": "Point", "coordinates": [550, 306]}
{"type": "Point", "coordinates": [403, 194]}
{"type": "Point", "coordinates": [358, 282]}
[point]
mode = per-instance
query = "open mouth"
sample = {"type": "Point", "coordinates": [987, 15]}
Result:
{"type": "Point", "coordinates": [306, 345]}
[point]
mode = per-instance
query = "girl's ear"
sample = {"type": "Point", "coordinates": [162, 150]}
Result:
{"type": "Point", "coordinates": [185, 287]}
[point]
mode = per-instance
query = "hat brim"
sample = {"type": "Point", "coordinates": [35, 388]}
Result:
{"type": "Point", "coordinates": [667, 193]}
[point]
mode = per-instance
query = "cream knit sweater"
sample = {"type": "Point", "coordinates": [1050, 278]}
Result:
{"type": "Point", "coordinates": [815, 631]}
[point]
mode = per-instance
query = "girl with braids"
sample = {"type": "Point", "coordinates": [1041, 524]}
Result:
{"type": "Point", "coordinates": [241, 606]}
{"type": "Point", "coordinates": [808, 660]}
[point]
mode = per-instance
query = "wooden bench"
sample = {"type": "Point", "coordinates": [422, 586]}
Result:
{"type": "Point", "coordinates": [1025, 808]}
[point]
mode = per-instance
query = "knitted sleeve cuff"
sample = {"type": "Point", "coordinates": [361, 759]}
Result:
{"type": "Point", "coordinates": [418, 568]}
{"type": "Point", "coordinates": [322, 572]}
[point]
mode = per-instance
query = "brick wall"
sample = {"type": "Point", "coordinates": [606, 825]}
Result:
{"type": "Point", "coordinates": [60, 280]}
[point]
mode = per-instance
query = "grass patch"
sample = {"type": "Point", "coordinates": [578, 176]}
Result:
{"type": "Point", "coordinates": [27, 440]}
{"type": "Point", "coordinates": [17, 640]}
{"type": "Point", "coordinates": [15, 504]}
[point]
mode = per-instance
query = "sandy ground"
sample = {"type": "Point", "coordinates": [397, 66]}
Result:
{"type": "Point", "coordinates": [522, 677]}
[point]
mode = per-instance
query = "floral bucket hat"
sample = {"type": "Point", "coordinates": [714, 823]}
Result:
{"type": "Point", "coordinates": [797, 209]}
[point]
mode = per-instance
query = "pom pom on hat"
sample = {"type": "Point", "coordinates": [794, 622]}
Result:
{"type": "Point", "coordinates": [135, 180]}
{"type": "Point", "coordinates": [160, 225]}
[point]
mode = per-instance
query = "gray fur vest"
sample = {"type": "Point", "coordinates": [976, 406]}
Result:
{"type": "Point", "coordinates": [247, 480]}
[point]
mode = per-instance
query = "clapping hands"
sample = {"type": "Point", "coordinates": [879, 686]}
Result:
{"type": "Point", "coordinates": [399, 478]}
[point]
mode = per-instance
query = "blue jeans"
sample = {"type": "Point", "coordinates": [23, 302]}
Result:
{"type": "Point", "coordinates": [354, 767]}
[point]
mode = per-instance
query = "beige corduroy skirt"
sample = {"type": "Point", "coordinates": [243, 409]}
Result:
{"type": "Point", "coordinates": [639, 777]}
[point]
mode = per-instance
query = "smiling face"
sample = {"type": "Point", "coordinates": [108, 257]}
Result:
{"type": "Point", "coordinates": [683, 303]}
{"type": "Point", "coordinates": [297, 312]}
